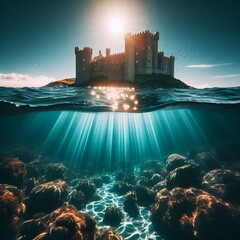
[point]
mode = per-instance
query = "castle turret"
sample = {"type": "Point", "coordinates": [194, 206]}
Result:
{"type": "Point", "coordinates": [83, 64]}
{"type": "Point", "coordinates": [129, 68]}
{"type": "Point", "coordinates": [171, 65]}
{"type": "Point", "coordinates": [161, 61]}
{"type": "Point", "coordinates": [108, 52]}
{"type": "Point", "coordinates": [154, 44]}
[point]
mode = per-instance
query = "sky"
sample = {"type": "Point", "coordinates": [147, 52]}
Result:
{"type": "Point", "coordinates": [37, 37]}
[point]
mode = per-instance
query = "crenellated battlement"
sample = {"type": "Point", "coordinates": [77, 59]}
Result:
{"type": "Point", "coordinates": [85, 50]}
{"type": "Point", "coordinates": [117, 54]}
{"type": "Point", "coordinates": [144, 33]}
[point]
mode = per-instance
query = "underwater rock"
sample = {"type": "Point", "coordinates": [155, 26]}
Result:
{"type": "Point", "coordinates": [31, 183]}
{"type": "Point", "coordinates": [224, 184]}
{"type": "Point", "coordinates": [106, 179]}
{"type": "Point", "coordinates": [55, 171]}
{"type": "Point", "coordinates": [147, 173]}
{"type": "Point", "coordinates": [194, 214]}
{"type": "Point", "coordinates": [11, 209]}
{"type": "Point", "coordinates": [156, 178]}
{"type": "Point", "coordinates": [12, 171]}
{"type": "Point", "coordinates": [174, 161]}
{"type": "Point", "coordinates": [153, 165]}
{"type": "Point", "coordinates": [98, 182]}
{"type": "Point", "coordinates": [127, 177]}
{"type": "Point", "coordinates": [120, 176]}
{"type": "Point", "coordinates": [149, 178]}
{"type": "Point", "coordinates": [143, 181]}
{"type": "Point", "coordinates": [159, 186]}
{"type": "Point", "coordinates": [145, 196]}
{"type": "Point", "coordinates": [34, 169]}
{"type": "Point", "coordinates": [207, 160]}
{"type": "Point", "coordinates": [88, 187]}
{"type": "Point", "coordinates": [130, 204]}
{"type": "Point", "coordinates": [185, 176]}
{"type": "Point", "coordinates": [47, 196]}
{"type": "Point", "coordinates": [113, 216]}
{"type": "Point", "coordinates": [130, 179]}
{"type": "Point", "coordinates": [34, 226]}
{"type": "Point", "coordinates": [109, 234]}
{"type": "Point", "coordinates": [77, 199]}
{"type": "Point", "coordinates": [121, 188]}
{"type": "Point", "coordinates": [62, 224]}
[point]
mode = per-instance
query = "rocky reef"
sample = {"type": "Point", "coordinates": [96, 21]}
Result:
{"type": "Point", "coordinates": [190, 213]}
{"type": "Point", "coordinates": [184, 197]}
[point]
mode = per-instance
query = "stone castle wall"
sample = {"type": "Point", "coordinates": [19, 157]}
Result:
{"type": "Point", "coordinates": [141, 56]}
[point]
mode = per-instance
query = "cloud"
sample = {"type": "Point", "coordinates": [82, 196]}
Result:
{"type": "Point", "coordinates": [23, 80]}
{"type": "Point", "coordinates": [227, 76]}
{"type": "Point", "coordinates": [208, 65]}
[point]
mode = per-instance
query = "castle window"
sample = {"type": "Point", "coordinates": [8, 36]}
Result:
{"type": "Point", "coordinates": [136, 53]}
{"type": "Point", "coordinates": [137, 61]}
{"type": "Point", "coordinates": [149, 47]}
{"type": "Point", "coordinates": [83, 60]}
{"type": "Point", "coordinates": [83, 69]}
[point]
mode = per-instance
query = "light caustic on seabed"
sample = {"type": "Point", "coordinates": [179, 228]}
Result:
{"type": "Point", "coordinates": [120, 99]}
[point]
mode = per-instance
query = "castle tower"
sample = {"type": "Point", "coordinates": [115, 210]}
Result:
{"type": "Point", "coordinates": [161, 61]}
{"type": "Point", "coordinates": [171, 65]}
{"type": "Point", "coordinates": [108, 52]}
{"type": "Point", "coordinates": [129, 61]}
{"type": "Point", "coordinates": [83, 64]}
{"type": "Point", "coordinates": [146, 52]}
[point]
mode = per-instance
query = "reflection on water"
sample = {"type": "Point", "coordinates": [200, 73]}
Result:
{"type": "Point", "coordinates": [120, 99]}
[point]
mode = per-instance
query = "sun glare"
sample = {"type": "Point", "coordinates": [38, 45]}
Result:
{"type": "Point", "coordinates": [116, 25]}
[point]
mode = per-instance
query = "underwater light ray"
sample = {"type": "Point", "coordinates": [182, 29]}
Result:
{"type": "Point", "coordinates": [100, 139]}
{"type": "Point", "coordinates": [126, 133]}
{"type": "Point", "coordinates": [168, 118]}
{"type": "Point", "coordinates": [153, 141]}
{"type": "Point", "coordinates": [120, 137]}
{"type": "Point", "coordinates": [161, 131]}
{"type": "Point", "coordinates": [82, 138]}
{"type": "Point", "coordinates": [136, 137]}
{"type": "Point", "coordinates": [109, 141]}
{"type": "Point", "coordinates": [133, 138]}
{"type": "Point", "coordinates": [192, 126]}
{"type": "Point", "coordinates": [54, 134]}
{"type": "Point", "coordinates": [67, 131]}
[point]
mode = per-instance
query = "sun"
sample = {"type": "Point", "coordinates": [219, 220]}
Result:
{"type": "Point", "coordinates": [116, 25]}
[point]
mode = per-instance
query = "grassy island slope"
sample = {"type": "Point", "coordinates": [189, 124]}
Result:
{"type": "Point", "coordinates": [144, 81]}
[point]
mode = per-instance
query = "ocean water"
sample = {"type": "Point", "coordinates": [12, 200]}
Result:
{"type": "Point", "coordinates": [99, 126]}
{"type": "Point", "coordinates": [108, 129]}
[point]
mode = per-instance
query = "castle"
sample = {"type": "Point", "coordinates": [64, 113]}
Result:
{"type": "Point", "coordinates": [141, 56]}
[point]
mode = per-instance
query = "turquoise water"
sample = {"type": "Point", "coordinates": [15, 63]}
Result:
{"type": "Point", "coordinates": [78, 129]}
